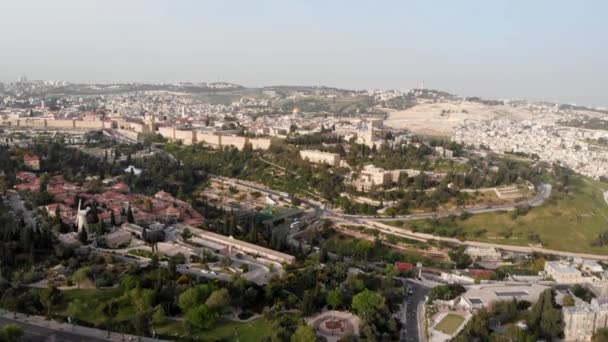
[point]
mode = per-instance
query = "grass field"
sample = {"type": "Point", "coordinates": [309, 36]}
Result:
{"type": "Point", "coordinates": [449, 324]}
{"type": "Point", "coordinates": [567, 221]}
{"type": "Point", "coordinates": [224, 331]}
{"type": "Point", "coordinates": [91, 310]}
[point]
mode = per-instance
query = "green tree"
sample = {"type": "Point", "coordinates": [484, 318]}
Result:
{"type": "Point", "coordinates": [568, 300]}
{"type": "Point", "coordinates": [76, 308]}
{"type": "Point", "coordinates": [334, 299]}
{"type": "Point", "coordinates": [130, 217]}
{"type": "Point", "coordinates": [461, 259]}
{"type": "Point", "coordinates": [141, 299]}
{"type": "Point", "coordinates": [601, 335]}
{"type": "Point", "coordinates": [49, 297]}
{"type": "Point", "coordinates": [81, 275]}
{"type": "Point", "coordinates": [551, 323]}
{"type": "Point", "coordinates": [11, 333]}
{"type": "Point", "coordinates": [304, 333]}
{"type": "Point", "coordinates": [159, 317]}
{"type": "Point", "coordinates": [10, 301]}
{"type": "Point", "coordinates": [218, 299]}
{"type": "Point", "coordinates": [186, 234]}
{"type": "Point", "coordinates": [366, 303]}
{"type": "Point", "coordinates": [200, 317]}
{"type": "Point", "coordinates": [193, 296]}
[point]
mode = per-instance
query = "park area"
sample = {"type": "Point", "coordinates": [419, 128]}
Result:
{"type": "Point", "coordinates": [570, 221]}
{"type": "Point", "coordinates": [91, 308]}
{"type": "Point", "coordinates": [449, 324]}
{"type": "Point", "coordinates": [253, 331]}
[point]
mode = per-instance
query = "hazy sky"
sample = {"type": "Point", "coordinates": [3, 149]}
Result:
{"type": "Point", "coordinates": [536, 49]}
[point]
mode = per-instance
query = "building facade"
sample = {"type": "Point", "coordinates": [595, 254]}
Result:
{"type": "Point", "coordinates": [319, 157]}
{"type": "Point", "coordinates": [583, 319]}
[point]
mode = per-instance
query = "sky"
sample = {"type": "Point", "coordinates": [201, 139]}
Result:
{"type": "Point", "coordinates": [535, 49]}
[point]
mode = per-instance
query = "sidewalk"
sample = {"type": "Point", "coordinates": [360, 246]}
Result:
{"type": "Point", "coordinates": [73, 329]}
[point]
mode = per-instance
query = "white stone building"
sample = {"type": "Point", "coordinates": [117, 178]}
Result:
{"type": "Point", "coordinates": [319, 157]}
{"type": "Point", "coordinates": [583, 319]}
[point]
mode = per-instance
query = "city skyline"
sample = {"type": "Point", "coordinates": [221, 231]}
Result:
{"type": "Point", "coordinates": [538, 51]}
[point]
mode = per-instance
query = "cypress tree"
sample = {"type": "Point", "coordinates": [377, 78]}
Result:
{"type": "Point", "coordinates": [130, 217]}
{"type": "Point", "coordinates": [83, 236]}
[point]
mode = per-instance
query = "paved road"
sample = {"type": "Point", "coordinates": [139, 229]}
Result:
{"type": "Point", "coordinates": [36, 333]}
{"type": "Point", "coordinates": [543, 193]}
{"type": "Point", "coordinates": [412, 319]}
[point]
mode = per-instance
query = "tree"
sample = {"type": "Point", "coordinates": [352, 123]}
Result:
{"type": "Point", "coordinates": [544, 318]}
{"type": "Point", "coordinates": [551, 323]}
{"type": "Point", "coordinates": [186, 234]}
{"type": "Point", "coordinates": [193, 296]}
{"type": "Point", "coordinates": [601, 335]}
{"type": "Point", "coordinates": [199, 317]}
{"type": "Point", "coordinates": [505, 311]}
{"type": "Point", "coordinates": [304, 333]}
{"type": "Point", "coordinates": [226, 261]}
{"type": "Point", "coordinates": [94, 214]}
{"type": "Point", "coordinates": [309, 300]}
{"type": "Point", "coordinates": [76, 308]}
{"type": "Point", "coordinates": [476, 329]}
{"type": "Point", "coordinates": [366, 303]}
{"type": "Point", "coordinates": [49, 297]}
{"type": "Point", "coordinates": [10, 301]}
{"type": "Point", "coordinates": [323, 255]}
{"type": "Point", "coordinates": [130, 217]}
{"type": "Point", "coordinates": [83, 236]}
{"type": "Point", "coordinates": [80, 275]}
{"type": "Point", "coordinates": [159, 317]}
{"type": "Point", "coordinates": [112, 218]}
{"type": "Point", "coordinates": [218, 299]}
{"type": "Point", "coordinates": [334, 299]}
{"type": "Point", "coordinates": [461, 259]}
{"type": "Point", "coordinates": [362, 249]}
{"type": "Point", "coordinates": [154, 261]}
{"type": "Point", "coordinates": [11, 333]}
{"type": "Point", "coordinates": [568, 300]}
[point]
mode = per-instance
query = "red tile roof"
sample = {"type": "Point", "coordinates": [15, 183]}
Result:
{"type": "Point", "coordinates": [403, 266]}
{"type": "Point", "coordinates": [28, 158]}
{"type": "Point", "coordinates": [478, 273]}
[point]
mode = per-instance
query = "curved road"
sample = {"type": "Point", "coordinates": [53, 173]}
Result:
{"type": "Point", "coordinates": [543, 193]}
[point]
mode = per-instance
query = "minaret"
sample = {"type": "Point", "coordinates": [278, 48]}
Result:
{"type": "Point", "coordinates": [81, 217]}
{"type": "Point", "coordinates": [183, 112]}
